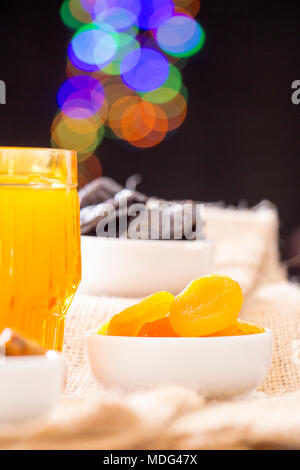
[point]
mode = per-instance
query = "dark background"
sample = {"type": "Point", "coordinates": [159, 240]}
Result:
{"type": "Point", "coordinates": [240, 140]}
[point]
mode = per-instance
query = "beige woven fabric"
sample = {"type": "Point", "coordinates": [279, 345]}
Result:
{"type": "Point", "coordinates": [170, 417]}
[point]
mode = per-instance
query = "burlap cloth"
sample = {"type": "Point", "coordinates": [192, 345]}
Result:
{"type": "Point", "coordinates": [89, 417]}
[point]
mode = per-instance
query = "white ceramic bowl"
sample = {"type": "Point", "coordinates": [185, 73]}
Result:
{"type": "Point", "coordinates": [30, 385]}
{"type": "Point", "coordinates": [136, 268]}
{"type": "Point", "coordinates": [216, 366]}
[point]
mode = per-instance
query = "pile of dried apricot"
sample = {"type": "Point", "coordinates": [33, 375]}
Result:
{"type": "Point", "coordinates": [208, 306]}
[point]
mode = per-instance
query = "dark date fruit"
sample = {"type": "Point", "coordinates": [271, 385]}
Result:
{"type": "Point", "coordinates": [103, 201]}
{"type": "Point", "coordinates": [98, 190]}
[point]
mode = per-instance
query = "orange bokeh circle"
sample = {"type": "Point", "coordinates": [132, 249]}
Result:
{"type": "Point", "coordinates": [117, 110]}
{"type": "Point", "coordinates": [138, 120]}
{"type": "Point", "coordinates": [176, 111]}
{"type": "Point", "coordinates": [151, 136]}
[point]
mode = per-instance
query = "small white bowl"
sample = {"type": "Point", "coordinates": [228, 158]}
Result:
{"type": "Point", "coordinates": [136, 268]}
{"type": "Point", "coordinates": [216, 366]}
{"type": "Point", "coordinates": [30, 385]}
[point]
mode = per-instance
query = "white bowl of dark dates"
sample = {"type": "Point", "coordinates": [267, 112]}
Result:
{"type": "Point", "coordinates": [134, 245]}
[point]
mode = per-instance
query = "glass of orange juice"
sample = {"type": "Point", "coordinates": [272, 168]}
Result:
{"type": "Point", "coordinates": [40, 263]}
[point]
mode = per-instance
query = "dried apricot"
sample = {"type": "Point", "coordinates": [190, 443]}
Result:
{"type": "Point", "coordinates": [208, 304]}
{"type": "Point", "coordinates": [130, 321]}
{"type": "Point", "coordinates": [240, 328]}
{"type": "Point", "coordinates": [158, 328]}
{"type": "Point", "coordinates": [102, 330]}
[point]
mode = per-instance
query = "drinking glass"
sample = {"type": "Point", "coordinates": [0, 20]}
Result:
{"type": "Point", "coordinates": [40, 262]}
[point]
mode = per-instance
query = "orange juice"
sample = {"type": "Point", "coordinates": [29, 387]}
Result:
{"type": "Point", "coordinates": [40, 265]}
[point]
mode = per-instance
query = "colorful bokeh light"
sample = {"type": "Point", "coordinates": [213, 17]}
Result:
{"type": "Point", "coordinates": [88, 170]}
{"type": "Point", "coordinates": [124, 73]}
{"type": "Point", "coordinates": [83, 134]}
{"type": "Point", "coordinates": [168, 90]}
{"type": "Point", "coordinates": [190, 7]}
{"type": "Point", "coordinates": [127, 45]}
{"type": "Point", "coordinates": [95, 46]}
{"type": "Point", "coordinates": [180, 36]}
{"type": "Point", "coordinates": [120, 14]}
{"type": "Point", "coordinates": [144, 69]}
{"type": "Point", "coordinates": [73, 14]}
{"type": "Point", "coordinates": [154, 12]}
{"type": "Point", "coordinates": [80, 97]}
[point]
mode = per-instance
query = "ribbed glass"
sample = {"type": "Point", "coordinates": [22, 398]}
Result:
{"type": "Point", "coordinates": [40, 263]}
